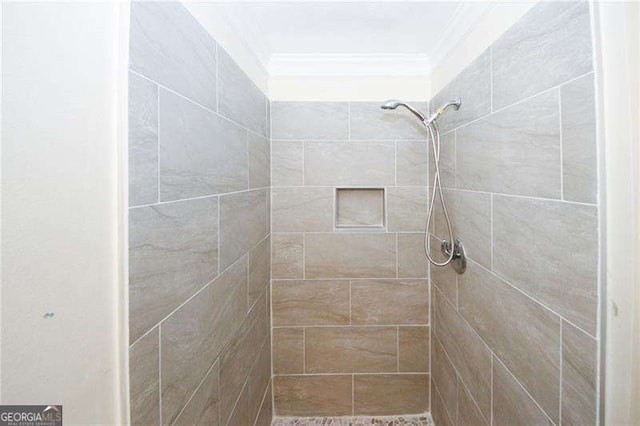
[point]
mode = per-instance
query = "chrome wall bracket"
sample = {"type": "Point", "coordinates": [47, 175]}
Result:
{"type": "Point", "coordinates": [459, 260]}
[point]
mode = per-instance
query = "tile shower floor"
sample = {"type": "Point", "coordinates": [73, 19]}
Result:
{"type": "Point", "coordinates": [420, 420]}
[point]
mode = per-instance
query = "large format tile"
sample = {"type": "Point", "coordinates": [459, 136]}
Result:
{"type": "Point", "coordinates": [512, 405]}
{"type": "Point", "coordinates": [259, 269]}
{"type": "Point", "coordinates": [287, 162]}
{"type": "Point", "coordinates": [390, 302]}
{"type": "Point", "coordinates": [351, 349]}
{"type": "Point", "coordinates": [369, 121]}
{"type": "Point", "coordinates": [411, 163]}
{"type": "Point", "coordinates": [473, 85]}
{"type": "Point", "coordinates": [579, 377]}
{"type": "Point", "coordinates": [240, 415]}
{"type": "Point", "coordinates": [445, 377]}
{"type": "Point", "coordinates": [407, 208]}
{"type": "Point", "coordinates": [265, 416]}
{"type": "Point", "coordinates": [528, 343]}
{"type": "Point", "coordinates": [193, 336]}
{"type": "Point", "coordinates": [143, 141]}
{"type": "Point", "coordinates": [468, 353]}
{"type": "Point", "coordinates": [288, 350]}
{"type": "Point", "coordinates": [579, 150]}
{"type": "Point", "coordinates": [438, 411]}
{"type": "Point", "coordinates": [312, 395]}
{"type": "Point", "coordinates": [470, 215]}
{"type": "Point", "coordinates": [355, 255]}
{"type": "Point", "coordinates": [349, 163]}
{"type": "Point", "coordinates": [302, 209]}
{"type": "Point", "coordinates": [387, 394]}
{"type": "Point", "coordinates": [310, 302]}
{"type": "Point", "coordinates": [549, 250]}
{"type": "Point", "coordinates": [287, 255]}
{"type": "Point", "coordinates": [259, 380]}
{"type": "Point", "coordinates": [239, 99]}
{"type": "Point", "coordinates": [413, 349]}
{"type": "Point", "coordinates": [243, 223]}
{"type": "Point", "coordinates": [412, 261]}
{"type": "Point", "coordinates": [309, 120]}
{"type": "Point", "coordinates": [468, 412]}
{"type": "Point", "coordinates": [259, 161]}
{"type": "Point", "coordinates": [514, 151]}
{"type": "Point", "coordinates": [549, 45]}
{"type": "Point", "coordinates": [204, 406]}
{"type": "Point", "coordinates": [144, 378]}
{"type": "Point", "coordinates": [173, 252]}
{"type": "Point", "coordinates": [200, 152]}
{"type": "Point", "coordinates": [445, 280]}
{"type": "Point", "coordinates": [169, 46]}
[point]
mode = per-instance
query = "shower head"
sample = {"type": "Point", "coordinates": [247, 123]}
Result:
{"type": "Point", "coordinates": [394, 103]}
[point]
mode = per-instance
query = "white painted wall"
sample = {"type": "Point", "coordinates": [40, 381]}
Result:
{"type": "Point", "coordinates": [618, 80]}
{"type": "Point", "coordinates": [61, 220]}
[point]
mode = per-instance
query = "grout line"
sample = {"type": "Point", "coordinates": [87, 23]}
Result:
{"type": "Point", "coordinates": [560, 376]}
{"type": "Point", "coordinates": [158, 143]}
{"type": "Point", "coordinates": [398, 349]}
{"type": "Point", "coordinates": [350, 305]}
{"type": "Point", "coordinates": [217, 78]}
{"type": "Point", "coordinates": [160, 371]}
{"type": "Point", "coordinates": [367, 373]}
{"type": "Point", "coordinates": [491, 255]}
{"type": "Point", "coordinates": [262, 402]}
{"type": "Point", "coordinates": [221, 194]}
{"type": "Point", "coordinates": [353, 392]}
{"type": "Point", "coordinates": [304, 350]}
{"type": "Point", "coordinates": [491, 391]}
{"type": "Point", "coordinates": [353, 326]}
{"type": "Point", "coordinates": [491, 77]}
{"type": "Point", "coordinates": [561, 143]}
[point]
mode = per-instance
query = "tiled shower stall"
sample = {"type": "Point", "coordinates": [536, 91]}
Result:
{"type": "Point", "coordinates": [276, 248]}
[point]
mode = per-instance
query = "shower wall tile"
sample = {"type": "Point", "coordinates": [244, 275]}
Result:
{"type": "Point", "coordinates": [239, 99]}
{"type": "Point", "coordinates": [312, 395]}
{"type": "Point", "coordinates": [259, 269]}
{"type": "Point", "coordinates": [310, 120]}
{"type": "Point", "coordinates": [287, 256]}
{"type": "Point", "coordinates": [194, 335]}
{"type": "Point", "coordinates": [204, 406]}
{"type": "Point", "coordinates": [528, 343]}
{"type": "Point", "coordinates": [144, 380]}
{"type": "Point", "coordinates": [310, 302]}
{"type": "Point", "coordinates": [579, 156]}
{"type": "Point", "coordinates": [445, 378]}
{"type": "Point", "coordinates": [351, 349]}
{"type": "Point", "coordinates": [173, 252]}
{"type": "Point", "coordinates": [512, 405]}
{"type": "Point", "coordinates": [356, 255]}
{"type": "Point", "coordinates": [266, 410]}
{"type": "Point", "coordinates": [407, 208]}
{"type": "Point", "coordinates": [466, 350]}
{"type": "Point", "coordinates": [579, 376]}
{"type": "Point", "coordinates": [143, 141]}
{"type": "Point", "coordinates": [445, 280]}
{"type": "Point", "coordinates": [515, 151]}
{"type": "Point", "coordinates": [385, 302]}
{"type": "Point", "coordinates": [411, 163]}
{"type": "Point", "coordinates": [447, 164]}
{"type": "Point", "coordinates": [468, 412]}
{"type": "Point", "coordinates": [243, 222]}
{"type": "Point", "coordinates": [240, 415]}
{"type": "Point", "coordinates": [169, 46]}
{"type": "Point", "coordinates": [412, 262]}
{"type": "Point", "coordinates": [549, 250]}
{"type": "Point", "coordinates": [358, 164]}
{"type": "Point", "coordinates": [413, 349]}
{"type": "Point", "coordinates": [201, 153]}
{"type": "Point", "coordinates": [259, 161]}
{"type": "Point", "coordinates": [370, 122]}
{"type": "Point", "coordinates": [258, 380]}
{"type": "Point", "coordinates": [470, 215]}
{"type": "Point", "coordinates": [302, 209]}
{"type": "Point", "coordinates": [287, 162]}
{"type": "Point", "coordinates": [288, 350]}
{"type": "Point", "coordinates": [438, 410]}
{"type": "Point", "coordinates": [548, 46]}
{"type": "Point", "coordinates": [386, 394]}
{"type": "Point", "coordinates": [474, 86]}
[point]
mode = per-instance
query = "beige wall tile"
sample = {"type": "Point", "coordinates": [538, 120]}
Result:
{"type": "Point", "coordinates": [302, 209]}
{"type": "Point", "coordinates": [468, 412]}
{"type": "Point", "coordinates": [412, 261]}
{"type": "Point", "coordinates": [240, 415]}
{"type": "Point", "coordinates": [287, 161]}
{"type": "Point", "coordinates": [357, 207]}
{"type": "Point", "coordinates": [407, 208]}
{"type": "Point", "coordinates": [445, 377]}
{"type": "Point", "coordinates": [468, 353]}
{"type": "Point", "coordinates": [354, 255]}
{"type": "Point", "coordinates": [361, 163]}
{"type": "Point", "coordinates": [528, 342]}
{"type": "Point", "coordinates": [438, 411]}
{"type": "Point", "coordinates": [259, 269]}
{"type": "Point", "coordinates": [350, 349]}
{"type": "Point", "coordinates": [312, 395]}
{"type": "Point", "coordinates": [193, 336]}
{"type": "Point", "coordinates": [258, 380]}
{"type": "Point", "coordinates": [413, 349]}
{"type": "Point", "coordinates": [310, 302]}
{"type": "Point", "coordinates": [144, 380]}
{"type": "Point", "coordinates": [287, 255]}
{"type": "Point", "coordinates": [512, 406]}
{"type": "Point", "coordinates": [385, 394]}
{"type": "Point", "coordinates": [579, 376]}
{"type": "Point", "coordinates": [204, 406]}
{"type": "Point", "coordinates": [411, 163]}
{"type": "Point", "coordinates": [265, 416]}
{"type": "Point", "coordinates": [288, 350]}
{"type": "Point", "coordinates": [445, 280]}
{"type": "Point", "coordinates": [398, 301]}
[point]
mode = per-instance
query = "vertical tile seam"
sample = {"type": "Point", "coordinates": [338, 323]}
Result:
{"type": "Point", "coordinates": [160, 370]}
{"type": "Point", "coordinates": [560, 379]}
{"type": "Point", "coordinates": [561, 142]}
{"type": "Point", "coordinates": [158, 143]}
{"type": "Point", "coordinates": [398, 349]}
{"type": "Point", "coordinates": [491, 392]}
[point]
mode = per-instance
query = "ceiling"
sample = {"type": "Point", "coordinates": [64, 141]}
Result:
{"type": "Point", "coordinates": [350, 38]}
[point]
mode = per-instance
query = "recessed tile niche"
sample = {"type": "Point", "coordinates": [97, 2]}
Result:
{"type": "Point", "coordinates": [360, 208]}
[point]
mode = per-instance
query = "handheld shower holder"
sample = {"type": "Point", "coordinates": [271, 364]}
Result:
{"type": "Point", "coordinates": [459, 260]}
